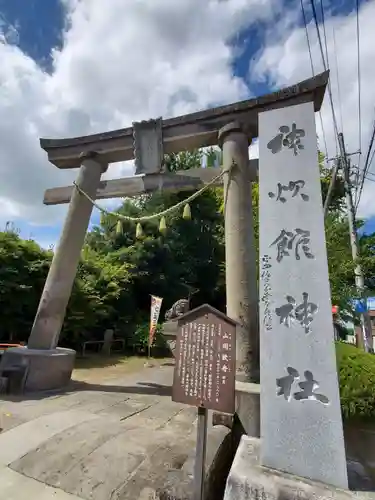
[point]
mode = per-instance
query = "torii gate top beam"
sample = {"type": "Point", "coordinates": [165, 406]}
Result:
{"type": "Point", "coordinates": [187, 132]}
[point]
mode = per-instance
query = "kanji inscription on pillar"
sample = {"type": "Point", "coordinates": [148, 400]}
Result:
{"type": "Point", "coordinates": [205, 357]}
{"type": "Point", "coordinates": [301, 424]}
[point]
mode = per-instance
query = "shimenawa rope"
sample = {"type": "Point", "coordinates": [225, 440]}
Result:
{"type": "Point", "coordinates": [161, 215]}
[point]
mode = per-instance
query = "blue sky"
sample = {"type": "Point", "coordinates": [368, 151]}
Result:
{"type": "Point", "coordinates": [39, 25]}
{"type": "Point", "coordinates": [36, 27]}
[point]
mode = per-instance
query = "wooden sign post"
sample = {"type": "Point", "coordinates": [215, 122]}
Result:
{"type": "Point", "coordinates": [204, 374]}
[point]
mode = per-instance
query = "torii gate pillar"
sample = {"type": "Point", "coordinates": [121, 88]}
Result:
{"type": "Point", "coordinates": [240, 254]}
{"type": "Point", "coordinates": [50, 367]}
{"type": "Point", "coordinates": [57, 289]}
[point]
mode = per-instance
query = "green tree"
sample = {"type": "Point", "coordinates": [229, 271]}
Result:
{"type": "Point", "coordinates": [23, 270]}
{"type": "Point", "coordinates": [186, 258]}
{"type": "Point", "coordinates": [338, 193]}
{"type": "Point", "coordinates": [118, 272]}
{"type": "Point", "coordinates": [102, 280]}
{"type": "Point", "coordinates": [340, 261]}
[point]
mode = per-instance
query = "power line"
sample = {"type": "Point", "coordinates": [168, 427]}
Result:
{"type": "Point", "coordinates": [370, 162]}
{"type": "Point", "coordinates": [324, 31]}
{"type": "Point", "coordinates": [370, 179]}
{"type": "Point", "coordinates": [313, 73]}
{"type": "Point", "coordinates": [326, 48]}
{"type": "Point", "coordinates": [336, 167]}
{"type": "Point", "coordinates": [370, 176]}
{"type": "Point", "coordinates": [366, 167]}
{"type": "Point", "coordinates": [359, 187]}
{"type": "Point", "coordinates": [337, 78]}
{"type": "Point", "coordinates": [370, 147]}
{"type": "Point", "coordinates": [318, 33]}
{"type": "Point", "coordinates": [307, 37]}
{"type": "Point", "coordinates": [331, 186]}
{"type": "Point", "coordinates": [359, 83]}
{"type": "Point", "coordinates": [358, 272]}
{"type": "Point", "coordinates": [343, 160]}
{"type": "Point", "coordinates": [324, 135]}
{"type": "Point", "coordinates": [325, 68]}
{"type": "Point", "coordinates": [360, 175]}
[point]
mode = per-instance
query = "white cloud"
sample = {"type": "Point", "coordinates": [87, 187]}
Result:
{"type": "Point", "coordinates": [139, 59]}
{"type": "Point", "coordinates": [8, 32]}
{"type": "Point", "coordinates": [128, 61]}
{"type": "Point", "coordinates": [285, 60]}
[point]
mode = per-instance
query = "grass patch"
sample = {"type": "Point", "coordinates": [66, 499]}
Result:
{"type": "Point", "coordinates": [356, 370]}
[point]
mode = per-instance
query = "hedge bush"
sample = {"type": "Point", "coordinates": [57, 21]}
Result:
{"type": "Point", "coordinates": [356, 370]}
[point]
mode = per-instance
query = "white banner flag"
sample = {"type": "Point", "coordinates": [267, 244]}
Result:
{"type": "Point", "coordinates": [155, 311]}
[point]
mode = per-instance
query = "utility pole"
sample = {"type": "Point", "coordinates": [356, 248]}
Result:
{"type": "Point", "coordinates": [359, 278]}
{"type": "Point", "coordinates": [331, 187]}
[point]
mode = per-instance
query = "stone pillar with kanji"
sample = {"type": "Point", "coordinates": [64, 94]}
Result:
{"type": "Point", "coordinates": [301, 423]}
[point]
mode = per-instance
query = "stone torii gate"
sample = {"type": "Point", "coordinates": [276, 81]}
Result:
{"type": "Point", "coordinates": [232, 127]}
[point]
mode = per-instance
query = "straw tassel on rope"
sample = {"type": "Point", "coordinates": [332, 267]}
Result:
{"type": "Point", "coordinates": [187, 212]}
{"type": "Point", "coordinates": [163, 225]}
{"type": "Point", "coordinates": [139, 231]}
{"type": "Point", "coordinates": [119, 227]}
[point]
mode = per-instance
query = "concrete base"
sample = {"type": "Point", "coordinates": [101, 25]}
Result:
{"type": "Point", "coordinates": [179, 484]}
{"type": "Point", "coordinates": [248, 480]}
{"type": "Point", "coordinates": [247, 410]}
{"type": "Point", "coordinates": [248, 407]}
{"type": "Point", "coordinates": [47, 369]}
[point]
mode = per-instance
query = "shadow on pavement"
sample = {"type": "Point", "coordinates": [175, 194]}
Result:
{"type": "Point", "coordinates": [148, 388]}
{"type": "Point", "coordinates": [141, 388]}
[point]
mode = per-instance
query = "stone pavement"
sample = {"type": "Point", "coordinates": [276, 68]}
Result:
{"type": "Point", "coordinates": [114, 441]}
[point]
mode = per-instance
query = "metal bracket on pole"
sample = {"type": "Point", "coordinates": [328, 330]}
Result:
{"type": "Point", "coordinates": [148, 146]}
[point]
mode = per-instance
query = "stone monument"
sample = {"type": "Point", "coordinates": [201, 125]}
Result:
{"type": "Point", "coordinates": [301, 453]}
{"type": "Point", "coordinates": [108, 339]}
{"type": "Point", "coordinates": [301, 425]}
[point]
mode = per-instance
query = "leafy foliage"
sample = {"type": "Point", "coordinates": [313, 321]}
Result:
{"type": "Point", "coordinates": [357, 382]}
{"type": "Point", "coordinates": [94, 305]}
{"type": "Point", "coordinates": [338, 194]}
{"type": "Point", "coordinates": [141, 336]}
{"type": "Point", "coordinates": [118, 272]}
{"type": "Point", "coordinates": [23, 270]}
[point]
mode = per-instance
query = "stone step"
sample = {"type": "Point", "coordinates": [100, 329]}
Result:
{"type": "Point", "coordinates": [150, 475]}
{"type": "Point", "coordinates": [95, 459]}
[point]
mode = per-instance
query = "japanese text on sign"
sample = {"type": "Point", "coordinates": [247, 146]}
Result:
{"type": "Point", "coordinates": [265, 275]}
{"type": "Point", "coordinates": [205, 364]}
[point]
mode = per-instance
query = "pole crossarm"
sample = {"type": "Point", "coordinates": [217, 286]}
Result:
{"type": "Point", "coordinates": [188, 132]}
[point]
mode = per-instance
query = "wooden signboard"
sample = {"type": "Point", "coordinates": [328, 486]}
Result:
{"type": "Point", "coordinates": [204, 374]}
{"type": "Point", "coordinates": [205, 357]}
